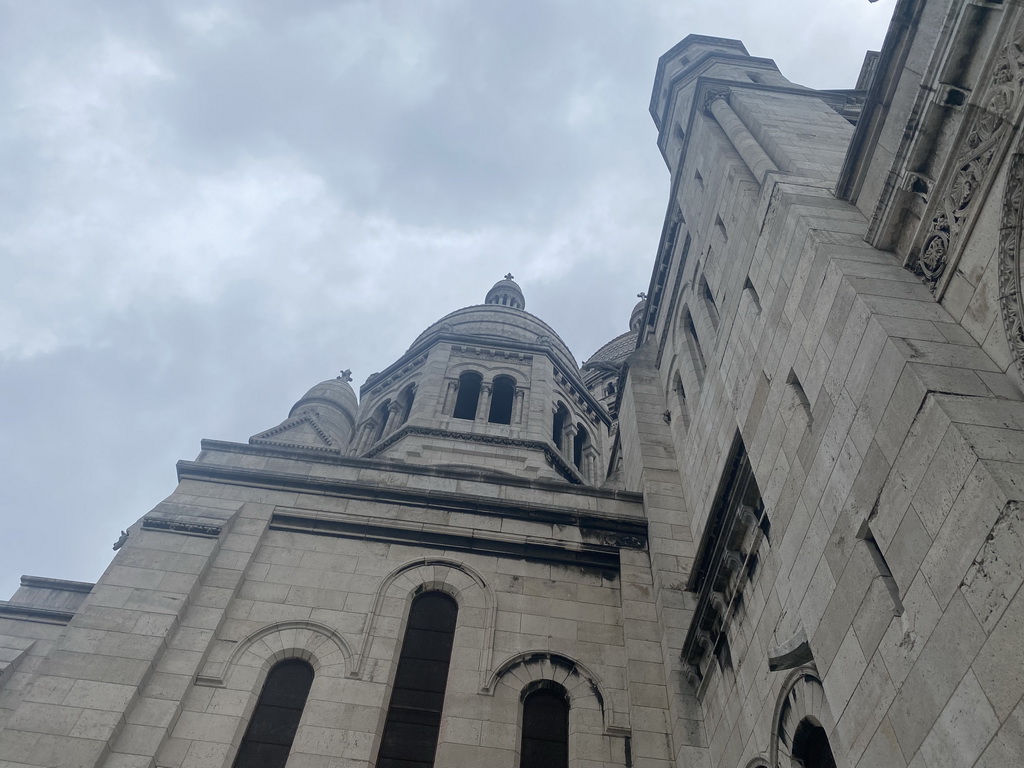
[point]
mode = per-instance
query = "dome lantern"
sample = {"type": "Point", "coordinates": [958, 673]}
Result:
{"type": "Point", "coordinates": [507, 293]}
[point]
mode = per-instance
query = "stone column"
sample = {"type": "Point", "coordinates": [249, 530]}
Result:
{"type": "Point", "coordinates": [449, 398]}
{"type": "Point", "coordinates": [483, 406]}
{"type": "Point", "coordinates": [394, 414]}
{"type": "Point", "coordinates": [517, 408]}
{"type": "Point", "coordinates": [569, 441]}
{"type": "Point", "coordinates": [716, 104]}
{"type": "Point", "coordinates": [364, 437]}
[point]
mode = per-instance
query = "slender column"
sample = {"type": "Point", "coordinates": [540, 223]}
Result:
{"type": "Point", "coordinates": [716, 104]}
{"type": "Point", "coordinates": [449, 398]}
{"type": "Point", "coordinates": [483, 406]}
{"type": "Point", "coordinates": [569, 441]}
{"type": "Point", "coordinates": [394, 410]}
{"type": "Point", "coordinates": [517, 410]}
{"type": "Point", "coordinates": [364, 437]}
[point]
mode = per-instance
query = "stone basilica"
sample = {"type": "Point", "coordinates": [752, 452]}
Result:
{"type": "Point", "coordinates": [775, 523]}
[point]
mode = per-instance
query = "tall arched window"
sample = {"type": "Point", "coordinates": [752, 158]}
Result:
{"type": "Point", "coordinates": [545, 729]}
{"type": "Point", "coordinates": [414, 715]}
{"type": "Point", "coordinates": [503, 392]}
{"type": "Point", "coordinates": [579, 443]}
{"type": "Point", "coordinates": [693, 346]}
{"type": "Point", "coordinates": [406, 398]}
{"type": "Point", "coordinates": [271, 731]}
{"type": "Point", "coordinates": [558, 423]}
{"type": "Point", "coordinates": [684, 407]}
{"type": "Point", "coordinates": [469, 395]}
{"type": "Point", "coordinates": [381, 416]}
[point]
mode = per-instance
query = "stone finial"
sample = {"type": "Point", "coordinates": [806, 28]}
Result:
{"type": "Point", "coordinates": [642, 296]}
{"type": "Point", "coordinates": [121, 540]}
{"type": "Point", "coordinates": [346, 375]}
{"type": "Point", "coordinates": [509, 276]}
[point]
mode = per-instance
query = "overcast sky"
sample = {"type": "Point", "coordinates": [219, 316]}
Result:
{"type": "Point", "coordinates": [208, 207]}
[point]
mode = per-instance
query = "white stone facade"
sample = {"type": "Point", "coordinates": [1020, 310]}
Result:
{"type": "Point", "coordinates": [796, 509]}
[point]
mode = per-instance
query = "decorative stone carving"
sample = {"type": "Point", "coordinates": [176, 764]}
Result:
{"type": "Point", "coordinates": [712, 95]}
{"type": "Point", "coordinates": [1011, 288]}
{"type": "Point", "coordinates": [987, 130]}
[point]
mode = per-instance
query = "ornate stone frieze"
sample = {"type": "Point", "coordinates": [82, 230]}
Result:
{"type": "Point", "coordinates": [1011, 288]}
{"type": "Point", "coordinates": [956, 201]}
{"type": "Point", "coordinates": [460, 350]}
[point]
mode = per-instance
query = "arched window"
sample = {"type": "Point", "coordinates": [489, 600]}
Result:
{"type": "Point", "coordinates": [503, 392]}
{"type": "Point", "coordinates": [381, 416]}
{"type": "Point", "coordinates": [579, 443]}
{"type": "Point", "coordinates": [693, 346]}
{"type": "Point", "coordinates": [811, 747]}
{"type": "Point", "coordinates": [469, 395]}
{"type": "Point", "coordinates": [684, 407]}
{"type": "Point", "coordinates": [414, 715]}
{"type": "Point", "coordinates": [271, 731]}
{"type": "Point", "coordinates": [406, 398]}
{"type": "Point", "coordinates": [545, 729]}
{"type": "Point", "coordinates": [558, 423]}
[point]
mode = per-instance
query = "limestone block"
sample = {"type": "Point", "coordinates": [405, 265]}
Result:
{"type": "Point", "coordinates": [1000, 664]}
{"type": "Point", "coordinates": [938, 670]}
{"type": "Point", "coordinates": [962, 731]}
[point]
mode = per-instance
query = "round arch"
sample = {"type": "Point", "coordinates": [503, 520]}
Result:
{"type": "Point", "coordinates": [801, 699]}
{"type": "Point", "coordinates": [447, 575]}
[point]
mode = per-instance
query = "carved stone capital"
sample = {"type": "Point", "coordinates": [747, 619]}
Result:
{"type": "Point", "coordinates": [712, 95]}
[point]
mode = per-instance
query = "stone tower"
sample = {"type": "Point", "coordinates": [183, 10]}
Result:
{"type": "Point", "coordinates": [777, 522]}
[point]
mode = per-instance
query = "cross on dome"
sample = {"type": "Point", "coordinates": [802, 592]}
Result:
{"type": "Point", "coordinates": [509, 276]}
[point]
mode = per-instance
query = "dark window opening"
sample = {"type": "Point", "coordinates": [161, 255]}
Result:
{"type": "Point", "coordinates": [609, 390]}
{"type": "Point", "coordinates": [558, 425]}
{"type": "Point", "coordinates": [693, 342]}
{"type": "Point", "coordinates": [469, 395]}
{"type": "Point", "coordinates": [545, 730]}
{"type": "Point", "coordinates": [406, 398]}
{"type": "Point", "coordinates": [383, 414]}
{"type": "Point", "coordinates": [581, 441]}
{"type": "Point", "coordinates": [271, 731]}
{"type": "Point", "coordinates": [684, 408]}
{"type": "Point", "coordinates": [811, 747]}
{"type": "Point", "coordinates": [414, 714]}
{"type": "Point", "coordinates": [503, 393]}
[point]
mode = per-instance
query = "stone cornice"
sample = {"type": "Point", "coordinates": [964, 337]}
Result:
{"type": "Point", "coordinates": [596, 555]}
{"type": "Point", "coordinates": [37, 615]}
{"type": "Point", "coordinates": [383, 465]}
{"type": "Point", "coordinates": [414, 497]}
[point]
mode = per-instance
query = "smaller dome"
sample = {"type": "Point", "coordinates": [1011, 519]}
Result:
{"type": "Point", "coordinates": [507, 293]}
{"type": "Point", "coordinates": [637, 315]}
{"type": "Point", "coordinates": [337, 392]}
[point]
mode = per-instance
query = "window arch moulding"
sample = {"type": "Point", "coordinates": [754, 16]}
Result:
{"type": "Point", "coordinates": [324, 648]}
{"type": "Point", "coordinates": [452, 577]}
{"type": "Point", "coordinates": [525, 671]}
